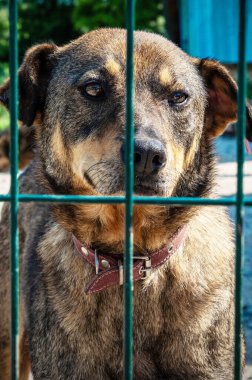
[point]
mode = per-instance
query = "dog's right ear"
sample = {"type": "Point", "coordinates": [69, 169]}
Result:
{"type": "Point", "coordinates": [33, 75]}
{"type": "Point", "coordinates": [222, 98]}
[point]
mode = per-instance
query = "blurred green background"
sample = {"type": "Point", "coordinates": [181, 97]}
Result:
{"type": "Point", "coordinates": [4, 116]}
{"type": "Point", "coordinates": [63, 20]}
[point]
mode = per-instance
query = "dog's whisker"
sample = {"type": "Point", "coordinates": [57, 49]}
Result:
{"type": "Point", "coordinates": [101, 180]}
{"type": "Point", "coordinates": [97, 164]}
{"type": "Point", "coordinates": [104, 164]}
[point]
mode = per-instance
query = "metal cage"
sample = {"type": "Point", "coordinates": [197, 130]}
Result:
{"type": "Point", "coordinates": [129, 200]}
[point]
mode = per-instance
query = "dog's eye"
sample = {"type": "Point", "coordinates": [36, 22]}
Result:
{"type": "Point", "coordinates": [93, 89]}
{"type": "Point", "coordinates": [177, 98]}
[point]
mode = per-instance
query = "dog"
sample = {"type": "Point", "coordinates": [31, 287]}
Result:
{"type": "Point", "coordinates": [71, 255]}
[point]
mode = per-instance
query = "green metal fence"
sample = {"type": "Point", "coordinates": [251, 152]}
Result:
{"type": "Point", "coordinates": [14, 198]}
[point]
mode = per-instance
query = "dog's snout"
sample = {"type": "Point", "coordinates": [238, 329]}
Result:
{"type": "Point", "coordinates": [149, 156]}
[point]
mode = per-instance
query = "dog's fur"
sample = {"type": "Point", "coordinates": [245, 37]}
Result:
{"type": "Point", "coordinates": [26, 142]}
{"type": "Point", "coordinates": [183, 313]}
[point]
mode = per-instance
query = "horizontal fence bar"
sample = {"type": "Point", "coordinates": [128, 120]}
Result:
{"type": "Point", "coordinates": [191, 201]}
{"type": "Point", "coordinates": [5, 198]}
{"type": "Point", "coordinates": [229, 201]}
{"type": "Point", "coordinates": [71, 198]}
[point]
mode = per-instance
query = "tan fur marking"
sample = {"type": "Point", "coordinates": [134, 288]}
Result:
{"type": "Point", "coordinates": [113, 67]}
{"type": "Point", "coordinates": [165, 77]}
{"type": "Point", "coordinates": [190, 154]}
{"type": "Point", "coordinates": [25, 364]}
{"type": "Point", "coordinates": [91, 152]}
{"type": "Point", "coordinates": [58, 145]}
{"type": "Point", "coordinates": [85, 154]}
{"type": "Point", "coordinates": [38, 120]}
{"type": "Point", "coordinates": [177, 157]}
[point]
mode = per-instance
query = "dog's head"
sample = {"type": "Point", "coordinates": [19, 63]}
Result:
{"type": "Point", "coordinates": [76, 97]}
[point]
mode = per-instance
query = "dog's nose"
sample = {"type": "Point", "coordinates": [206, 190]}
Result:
{"type": "Point", "coordinates": [149, 156]}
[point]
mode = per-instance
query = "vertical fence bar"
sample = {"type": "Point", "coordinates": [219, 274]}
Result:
{"type": "Point", "coordinates": [129, 185]}
{"type": "Point", "coordinates": [240, 196]}
{"type": "Point", "coordinates": [13, 15]}
{"type": "Point", "coordinates": [184, 27]}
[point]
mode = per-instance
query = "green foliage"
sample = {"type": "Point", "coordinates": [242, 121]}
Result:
{"type": "Point", "coordinates": [4, 72]}
{"type": "Point", "coordinates": [4, 119]}
{"type": "Point", "coordinates": [63, 20]}
{"type": "Point", "coordinates": [89, 14]}
{"type": "Point", "coordinates": [4, 115]}
{"type": "Point", "coordinates": [44, 20]}
{"type": "Point", "coordinates": [38, 21]}
{"type": "Point", "coordinates": [4, 32]}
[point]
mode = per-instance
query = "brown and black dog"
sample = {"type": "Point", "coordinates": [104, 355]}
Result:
{"type": "Point", "coordinates": [183, 310]}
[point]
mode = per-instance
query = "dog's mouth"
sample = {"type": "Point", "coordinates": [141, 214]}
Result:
{"type": "Point", "coordinates": [146, 188]}
{"type": "Point", "coordinates": [141, 186]}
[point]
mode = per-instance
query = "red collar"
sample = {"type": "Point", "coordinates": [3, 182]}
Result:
{"type": "Point", "coordinates": [109, 270]}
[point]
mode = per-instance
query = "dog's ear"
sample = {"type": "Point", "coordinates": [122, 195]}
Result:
{"type": "Point", "coordinates": [222, 98]}
{"type": "Point", "coordinates": [33, 76]}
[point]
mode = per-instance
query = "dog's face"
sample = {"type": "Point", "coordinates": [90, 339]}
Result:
{"type": "Point", "coordinates": [89, 113]}
{"type": "Point", "coordinates": [77, 96]}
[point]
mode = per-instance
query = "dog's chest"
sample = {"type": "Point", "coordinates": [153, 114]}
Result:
{"type": "Point", "coordinates": [166, 310]}
{"type": "Point", "coordinates": [67, 275]}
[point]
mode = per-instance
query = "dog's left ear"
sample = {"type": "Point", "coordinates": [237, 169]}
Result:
{"type": "Point", "coordinates": [33, 77]}
{"type": "Point", "coordinates": [222, 98]}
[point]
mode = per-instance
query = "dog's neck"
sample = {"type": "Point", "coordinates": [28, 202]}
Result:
{"type": "Point", "coordinates": [102, 226]}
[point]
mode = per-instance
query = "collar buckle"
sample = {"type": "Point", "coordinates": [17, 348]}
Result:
{"type": "Point", "coordinates": [146, 268]}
